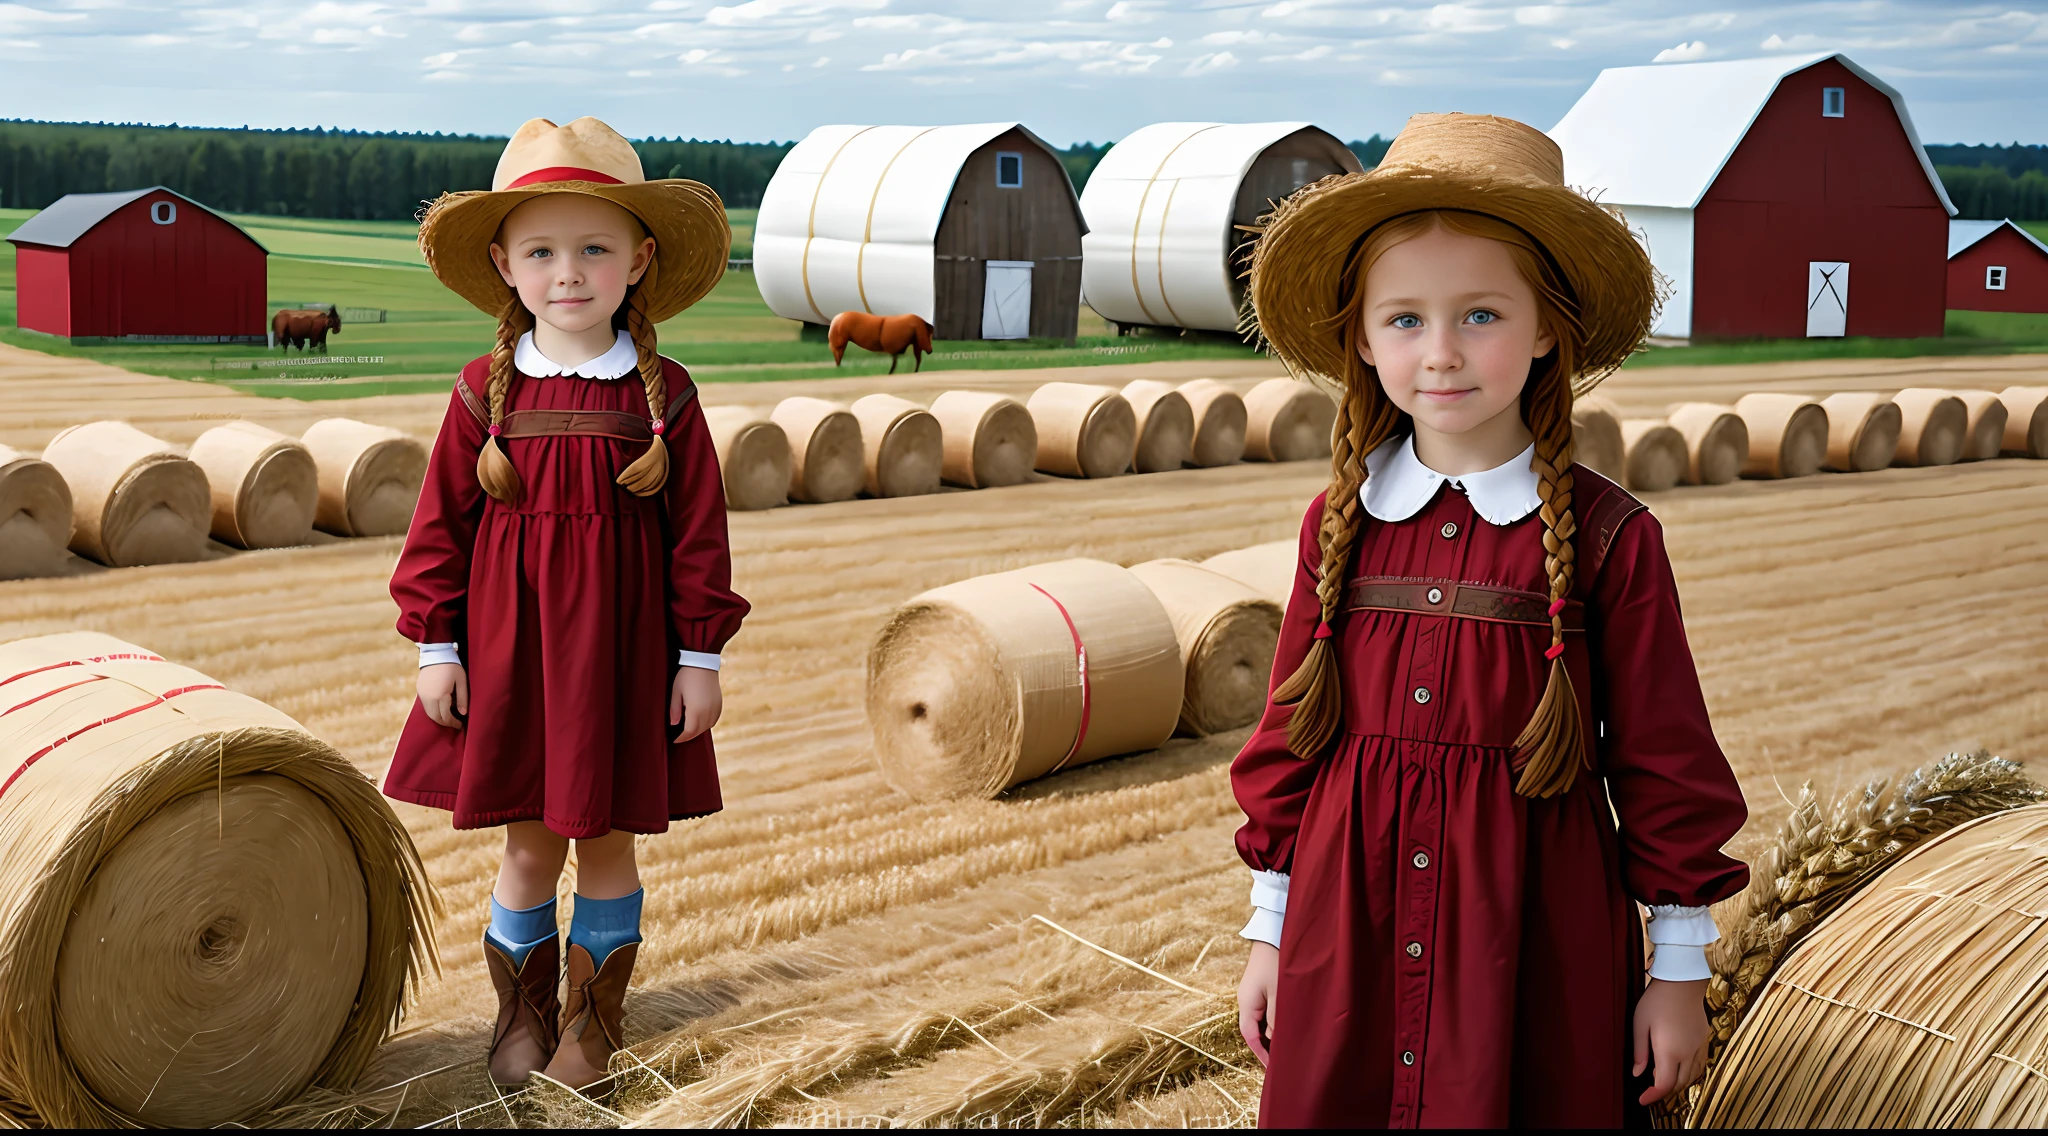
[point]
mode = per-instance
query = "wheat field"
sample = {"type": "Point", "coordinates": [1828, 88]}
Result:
{"type": "Point", "coordinates": [828, 952]}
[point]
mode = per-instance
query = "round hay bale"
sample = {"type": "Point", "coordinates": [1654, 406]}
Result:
{"type": "Point", "coordinates": [825, 459]}
{"type": "Point", "coordinates": [1984, 431]}
{"type": "Point", "coordinates": [135, 499]}
{"type": "Point", "coordinates": [209, 911]}
{"type": "Point", "coordinates": [1267, 569]}
{"type": "Point", "coordinates": [1597, 441]}
{"type": "Point", "coordinates": [1655, 454]}
{"type": "Point", "coordinates": [35, 516]}
{"type": "Point", "coordinates": [1914, 1005]}
{"type": "Point", "coordinates": [978, 686]}
{"type": "Point", "coordinates": [1084, 430]}
{"type": "Point", "coordinates": [2026, 422]}
{"type": "Point", "coordinates": [1788, 435]}
{"type": "Point", "coordinates": [369, 477]}
{"type": "Point", "coordinates": [1933, 426]}
{"type": "Point", "coordinates": [754, 458]}
{"type": "Point", "coordinates": [265, 485]}
{"type": "Point", "coordinates": [1863, 431]}
{"type": "Point", "coordinates": [1166, 425]}
{"type": "Point", "coordinates": [1716, 441]}
{"type": "Point", "coordinates": [991, 440]}
{"type": "Point", "coordinates": [1227, 633]}
{"type": "Point", "coordinates": [901, 444]}
{"type": "Point", "coordinates": [1219, 415]}
{"type": "Point", "coordinates": [1286, 421]}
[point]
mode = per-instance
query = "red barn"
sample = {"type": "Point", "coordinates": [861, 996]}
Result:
{"type": "Point", "coordinates": [1782, 197]}
{"type": "Point", "coordinates": [1996, 266]}
{"type": "Point", "coordinates": [144, 264]}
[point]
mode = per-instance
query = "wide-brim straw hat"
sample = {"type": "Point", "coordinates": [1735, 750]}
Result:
{"type": "Point", "coordinates": [1472, 162]}
{"type": "Point", "coordinates": [686, 219]}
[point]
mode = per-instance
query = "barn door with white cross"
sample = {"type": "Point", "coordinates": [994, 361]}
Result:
{"type": "Point", "coordinates": [1827, 297]}
{"type": "Point", "coordinates": [1006, 300]}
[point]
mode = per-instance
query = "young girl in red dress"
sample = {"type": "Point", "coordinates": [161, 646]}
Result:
{"type": "Point", "coordinates": [567, 576]}
{"type": "Point", "coordinates": [1486, 743]}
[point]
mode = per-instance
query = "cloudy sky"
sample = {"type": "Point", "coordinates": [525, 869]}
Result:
{"type": "Point", "coordinates": [1070, 69]}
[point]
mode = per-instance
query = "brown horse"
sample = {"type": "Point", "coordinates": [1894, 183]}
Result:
{"type": "Point", "coordinates": [304, 328]}
{"type": "Point", "coordinates": [883, 335]}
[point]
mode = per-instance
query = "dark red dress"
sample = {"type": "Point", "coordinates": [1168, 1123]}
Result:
{"type": "Point", "coordinates": [569, 608]}
{"type": "Point", "coordinates": [1456, 955]}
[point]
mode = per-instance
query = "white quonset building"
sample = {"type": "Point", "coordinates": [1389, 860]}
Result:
{"type": "Point", "coordinates": [975, 228]}
{"type": "Point", "coordinates": [1169, 210]}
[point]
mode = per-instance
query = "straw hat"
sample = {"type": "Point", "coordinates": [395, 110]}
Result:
{"type": "Point", "coordinates": [1474, 162]}
{"type": "Point", "coordinates": [685, 218]}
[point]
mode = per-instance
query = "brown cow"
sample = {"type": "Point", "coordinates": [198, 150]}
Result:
{"type": "Point", "coordinates": [883, 335]}
{"type": "Point", "coordinates": [304, 328]}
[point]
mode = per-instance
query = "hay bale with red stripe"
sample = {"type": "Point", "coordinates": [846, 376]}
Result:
{"type": "Point", "coordinates": [207, 911]}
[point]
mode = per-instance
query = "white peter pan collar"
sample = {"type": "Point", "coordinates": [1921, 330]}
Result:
{"type": "Point", "coordinates": [1398, 485]}
{"type": "Point", "coordinates": [621, 360]}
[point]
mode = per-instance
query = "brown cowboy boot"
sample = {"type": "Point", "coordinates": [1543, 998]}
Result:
{"type": "Point", "coordinates": [592, 1018]}
{"type": "Point", "coordinates": [528, 1005]}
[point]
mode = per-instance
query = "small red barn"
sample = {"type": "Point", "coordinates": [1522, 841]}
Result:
{"type": "Point", "coordinates": [1782, 197]}
{"type": "Point", "coordinates": [1996, 266]}
{"type": "Point", "coordinates": [145, 264]}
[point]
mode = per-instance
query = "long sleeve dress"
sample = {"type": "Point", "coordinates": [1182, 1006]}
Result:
{"type": "Point", "coordinates": [570, 608]}
{"type": "Point", "coordinates": [1455, 954]}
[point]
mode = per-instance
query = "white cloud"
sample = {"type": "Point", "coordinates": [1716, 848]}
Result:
{"type": "Point", "coordinates": [1237, 35]}
{"type": "Point", "coordinates": [440, 59]}
{"type": "Point", "coordinates": [1683, 53]}
{"type": "Point", "coordinates": [1307, 55]}
{"type": "Point", "coordinates": [821, 61]}
{"type": "Point", "coordinates": [1210, 64]}
{"type": "Point", "coordinates": [1134, 11]}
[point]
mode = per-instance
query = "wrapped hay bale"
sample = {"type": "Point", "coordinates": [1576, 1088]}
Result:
{"type": "Point", "coordinates": [1655, 457]}
{"type": "Point", "coordinates": [984, 684]}
{"type": "Point", "coordinates": [1863, 431]}
{"type": "Point", "coordinates": [1716, 441]}
{"type": "Point", "coordinates": [754, 457]}
{"type": "Point", "coordinates": [1788, 435]}
{"type": "Point", "coordinates": [2026, 422]}
{"type": "Point", "coordinates": [1597, 441]}
{"type": "Point", "coordinates": [1084, 430]}
{"type": "Point", "coordinates": [1933, 426]}
{"type": "Point", "coordinates": [207, 910]}
{"type": "Point", "coordinates": [1227, 633]}
{"type": "Point", "coordinates": [369, 477]}
{"type": "Point", "coordinates": [1984, 430]}
{"type": "Point", "coordinates": [265, 485]}
{"type": "Point", "coordinates": [135, 499]}
{"type": "Point", "coordinates": [825, 457]}
{"type": "Point", "coordinates": [1267, 569]}
{"type": "Point", "coordinates": [991, 440]}
{"type": "Point", "coordinates": [901, 444]}
{"type": "Point", "coordinates": [1219, 415]}
{"type": "Point", "coordinates": [35, 516]}
{"type": "Point", "coordinates": [1286, 421]}
{"type": "Point", "coordinates": [1166, 425]}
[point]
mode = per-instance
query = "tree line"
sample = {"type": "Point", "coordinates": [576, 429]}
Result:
{"type": "Point", "coordinates": [1993, 182]}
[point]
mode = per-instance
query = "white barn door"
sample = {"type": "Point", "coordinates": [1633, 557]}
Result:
{"type": "Point", "coordinates": [1006, 300]}
{"type": "Point", "coordinates": [1827, 297]}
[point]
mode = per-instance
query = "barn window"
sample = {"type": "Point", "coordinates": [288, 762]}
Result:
{"type": "Point", "coordinates": [1832, 101]}
{"type": "Point", "coordinates": [163, 212]}
{"type": "Point", "coordinates": [1009, 169]}
{"type": "Point", "coordinates": [1994, 278]}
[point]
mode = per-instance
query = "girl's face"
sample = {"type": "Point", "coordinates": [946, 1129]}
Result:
{"type": "Point", "coordinates": [571, 257]}
{"type": "Point", "coordinates": [1452, 329]}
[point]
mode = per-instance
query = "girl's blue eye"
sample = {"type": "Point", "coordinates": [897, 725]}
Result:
{"type": "Point", "coordinates": [1407, 322]}
{"type": "Point", "coordinates": [593, 250]}
{"type": "Point", "coordinates": [1482, 316]}
{"type": "Point", "coordinates": [540, 254]}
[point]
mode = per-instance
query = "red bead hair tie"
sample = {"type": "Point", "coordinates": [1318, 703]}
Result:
{"type": "Point", "coordinates": [1323, 630]}
{"type": "Point", "coordinates": [496, 429]}
{"type": "Point", "coordinates": [1554, 651]}
{"type": "Point", "coordinates": [658, 424]}
{"type": "Point", "coordinates": [1556, 606]}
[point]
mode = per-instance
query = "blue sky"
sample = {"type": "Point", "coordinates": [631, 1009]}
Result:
{"type": "Point", "coordinates": [1069, 69]}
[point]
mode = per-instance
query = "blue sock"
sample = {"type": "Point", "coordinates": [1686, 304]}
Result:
{"type": "Point", "coordinates": [601, 926]}
{"type": "Point", "coordinates": [518, 932]}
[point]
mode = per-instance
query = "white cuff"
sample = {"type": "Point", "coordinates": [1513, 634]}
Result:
{"type": "Point", "coordinates": [702, 660]}
{"type": "Point", "coordinates": [1269, 907]}
{"type": "Point", "coordinates": [1687, 926]}
{"type": "Point", "coordinates": [1680, 962]}
{"type": "Point", "coordinates": [432, 654]}
{"type": "Point", "coordinates": [1264, 927]}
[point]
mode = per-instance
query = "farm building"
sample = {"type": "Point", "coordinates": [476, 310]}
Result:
{"type": "Point", "coordinates": [143, 264]}
{"type": "Point", "coordinates": [976, 228]}
{"type": "Point", "coordinates": [1168, 212]}
{"type": "Point", "coordinates": [1759, 185]}
{"type": "Point", "coordinates": [1996, 266]}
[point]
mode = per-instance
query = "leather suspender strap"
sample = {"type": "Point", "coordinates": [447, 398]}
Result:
{"type": "Point", "coordinates": [668, 416]}
{"type": "Point", "coordinates": [1456, 600]}
{"type": "Point", "coordinates": [476, 405]}
{"type": "Point", "coordinates": [1603, 524]}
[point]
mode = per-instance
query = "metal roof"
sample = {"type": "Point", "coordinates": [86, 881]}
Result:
{"type": "Point", "coordinates": [63, 221]}
{"type": "Point", "coordinates": [1963, 234]}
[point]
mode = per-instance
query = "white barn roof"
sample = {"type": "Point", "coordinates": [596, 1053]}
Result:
{"type": "Point", "coordinates": [1159, 208]}
{"type": "Point", "coordinates": [1659, 135]}
{"type": "Point", "coordinates": [849, 219]}
{"type": "Point", "coordinates": [1963, 234]}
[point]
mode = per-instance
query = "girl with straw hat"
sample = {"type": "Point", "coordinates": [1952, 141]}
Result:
{"type": "Point", "coordinates": [1486, 743]}
{"type": "Point", "coordinates": [567, 576]}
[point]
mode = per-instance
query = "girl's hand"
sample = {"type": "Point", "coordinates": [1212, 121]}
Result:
{"type": "Point", "coordinates": [1255, 999]}
{"type": "Point", "coordinates": [1672, 1030]}
{"type": "Point", "coordinates": [694, 701]}
{"type": "Point", "coordinates": [444, 693]}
